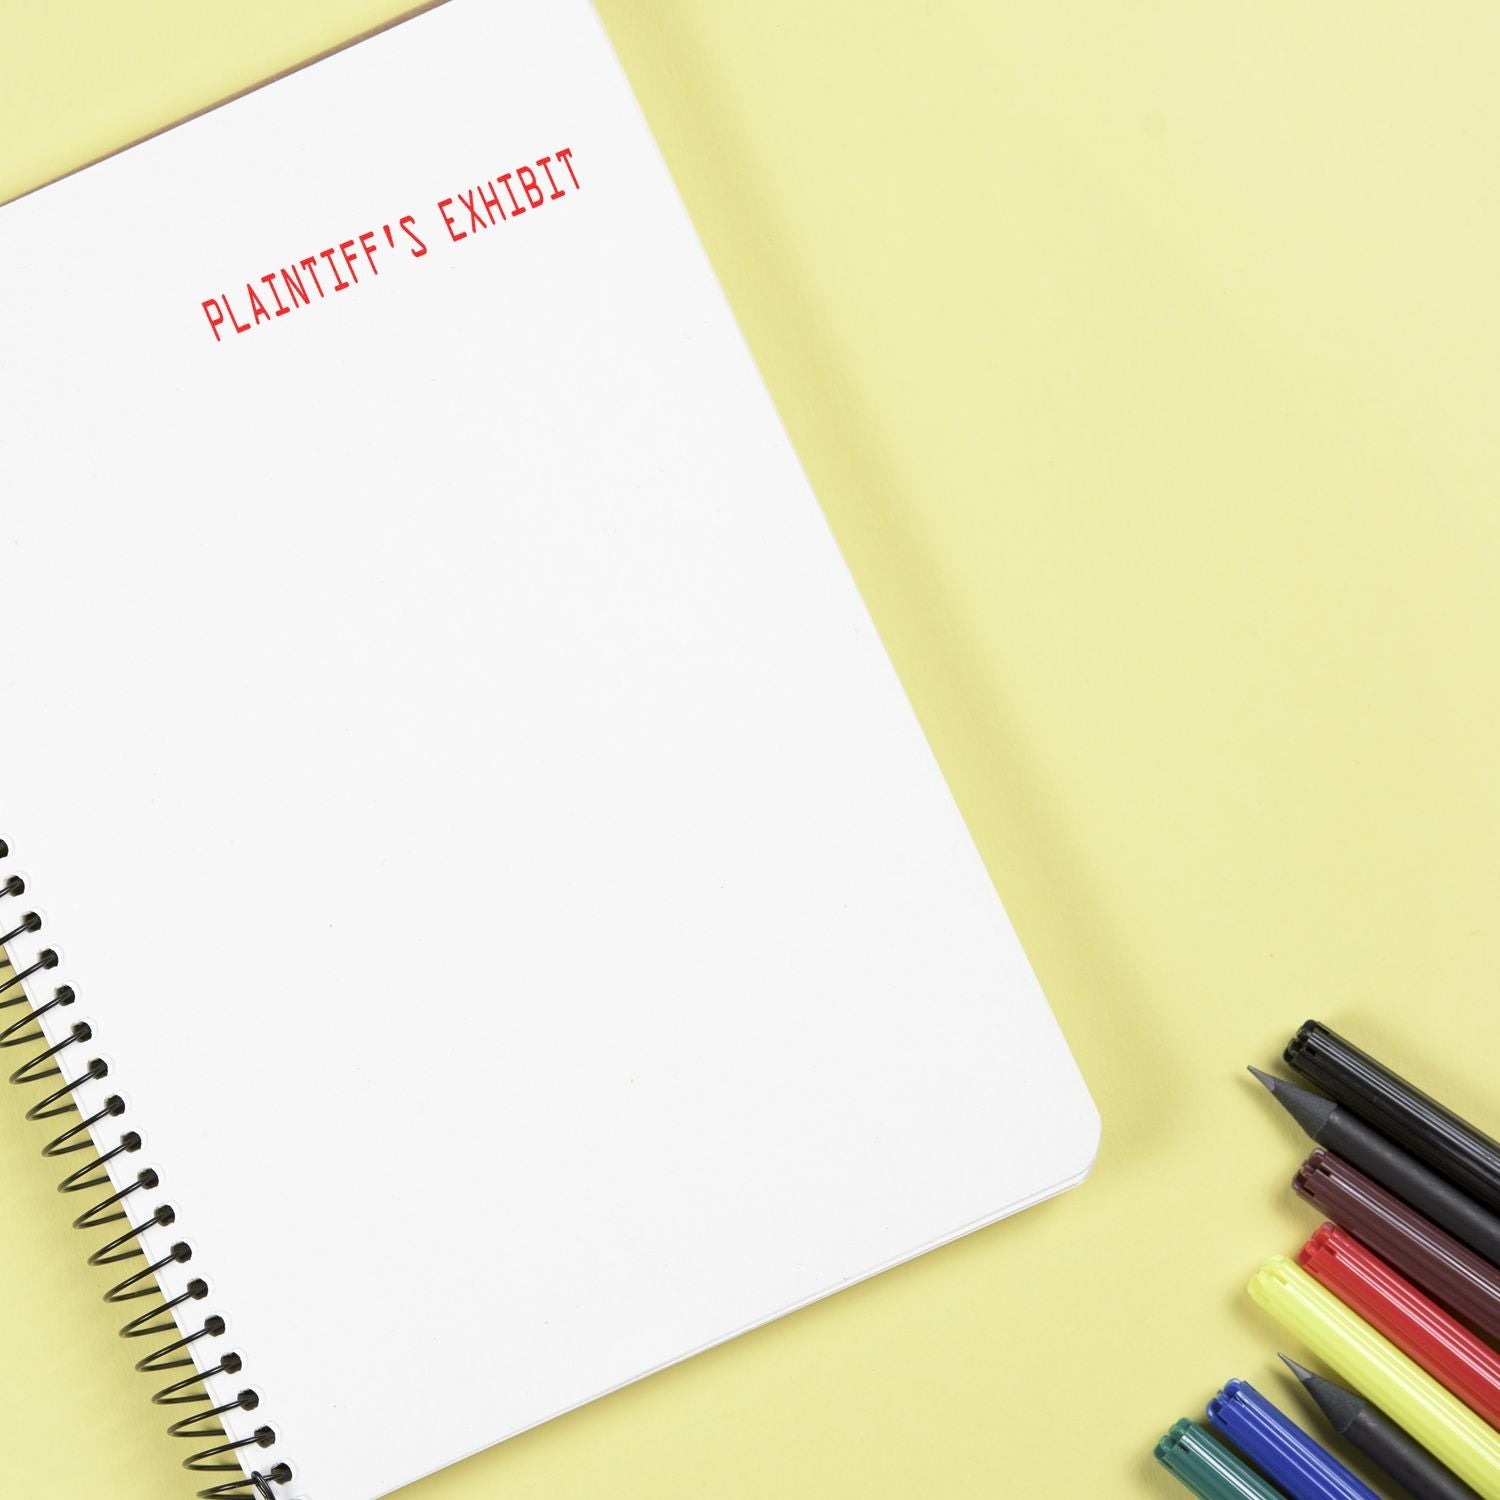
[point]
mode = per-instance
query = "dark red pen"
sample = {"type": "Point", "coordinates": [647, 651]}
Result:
{"type": "Point", "coordinates": [1450, 1273]}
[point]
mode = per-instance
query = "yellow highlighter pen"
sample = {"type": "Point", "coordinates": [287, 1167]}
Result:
{"type": "Point", "coordinates": [1405, 1392]}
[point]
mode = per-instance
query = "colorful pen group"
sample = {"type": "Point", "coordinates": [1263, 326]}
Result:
{"type": "Point", "coordinates": [1397, 1293]}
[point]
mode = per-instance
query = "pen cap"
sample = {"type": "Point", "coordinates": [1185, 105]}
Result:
{"type": "Point", "coordinates": [1207, 1468]}
{"type": "Point", "coordinates": [1428, 1129]}
{"type": "Point", "coordinates": [1414, 1323]}
{"type": "Point", "coordinates": [1463, 1282]}
{"type": "Point", "coordinates": [1280, 1449]}
{"type": "Point", "coordinates": [1407, 1394]}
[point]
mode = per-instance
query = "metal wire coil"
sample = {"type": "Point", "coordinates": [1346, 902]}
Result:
{"type": "Point", "coordinates": [224, 1459]}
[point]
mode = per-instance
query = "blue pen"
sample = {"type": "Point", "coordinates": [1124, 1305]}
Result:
{"type": "Point", "coordinates": [1280, 1449]}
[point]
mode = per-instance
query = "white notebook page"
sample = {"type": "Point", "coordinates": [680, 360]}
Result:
{"type": "Point", "coordinates": [470, 799]}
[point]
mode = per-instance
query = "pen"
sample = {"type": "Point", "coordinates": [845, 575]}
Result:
{"type": "Point", "coordinates": [1380, 1440]}
{"type": "Point", "coordinates": [1407, 1394]}
{"type": "Point", "coordinates": [1207, 1467]}
{"type": "Point", "coordinates": [1452, 1274]}
{"type": "Point", "coordinates": [1344, 1133]}
{"type": "Point", "coordinates": [1463, 1154]}
{"type": "Point", "coordinates": [1286, 1455]}
{"type": "Point", "coordinates": [1391, 1305]}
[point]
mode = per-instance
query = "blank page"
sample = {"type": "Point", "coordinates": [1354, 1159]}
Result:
{"type": "Point", "coordinates": [501, 868]}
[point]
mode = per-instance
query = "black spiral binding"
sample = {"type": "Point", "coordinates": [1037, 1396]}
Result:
{"type": "Point", "coordinates": [220, 1458]}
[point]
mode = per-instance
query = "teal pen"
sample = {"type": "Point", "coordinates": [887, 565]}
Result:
{"type": "Point", "coordinates": [1208, 1468]}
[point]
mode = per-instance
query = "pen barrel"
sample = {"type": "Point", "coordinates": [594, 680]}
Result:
{"type": "Point", "coordinates": [1452, 1274]}
{"type": "Point", "coordinates": [1429, 1130]}
{"type": "Point", "coordinates": [1382, 1374]}
{"type": "Point", "coordinates": [1413, 1182]}
{"type": "Point", "coordinates": [1417, 1326]}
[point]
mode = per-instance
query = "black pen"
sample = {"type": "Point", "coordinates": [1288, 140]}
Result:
{"type": "Point", "coordinates": [1463, 1154]}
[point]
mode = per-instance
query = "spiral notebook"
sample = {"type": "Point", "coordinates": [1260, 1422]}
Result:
{"type": "Point", "coordinates": [489, 904]}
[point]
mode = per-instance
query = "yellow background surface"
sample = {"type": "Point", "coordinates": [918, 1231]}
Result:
{"type": "Point", "coordinates": [1145, 359]}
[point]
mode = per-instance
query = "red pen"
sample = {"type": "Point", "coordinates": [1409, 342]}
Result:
{"type": "Point", "coordinates": [1412, 1322]}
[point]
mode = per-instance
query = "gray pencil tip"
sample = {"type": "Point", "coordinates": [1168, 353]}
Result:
{"type": "Point", "coordinates": [1311, 1111]}
{"type": "Point", "coordinates": [1341, 1407]}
